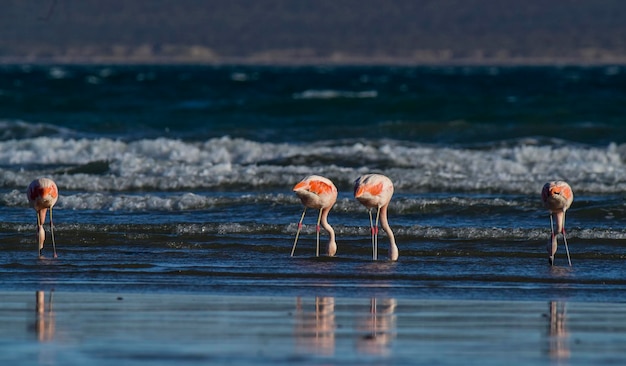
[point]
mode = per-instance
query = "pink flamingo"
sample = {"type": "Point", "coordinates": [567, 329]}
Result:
{"type": "Point", "coordinates": [557, 197]}
{"type": "Point", "coordinates": [42, 195]}
{"type": "Point", "coordinates": [318, 193]}
{"type": "Point", "coordinates": [374, 191]}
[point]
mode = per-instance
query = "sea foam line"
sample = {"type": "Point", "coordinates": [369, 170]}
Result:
{"type": "Point", "coordinates": [171, 164]}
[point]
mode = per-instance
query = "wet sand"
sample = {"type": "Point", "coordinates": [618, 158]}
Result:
{"type": "Point", "coordinates": [68, 328]}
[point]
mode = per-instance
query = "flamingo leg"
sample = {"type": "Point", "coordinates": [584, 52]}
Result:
{"type": "Point", "coordinates": [317, 231]}
{"type": "Point", "coordinates": [298, 232]}
{"type": "Point", "coordinates": [54, 247]}
{"type": "Point", "coordinates": [565, 241]}
{"type": "Point", "coordinates": [552, 245]}
{"type": "Point", "coordinates": [41, 233]}
{"type": "Point", "coordinates": [376, 233]}
{"type": "Point", "coordinates": [372, 231]}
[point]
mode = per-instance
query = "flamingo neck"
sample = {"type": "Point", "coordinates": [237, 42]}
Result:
{"type": "Point", "coordinates": [332, 245]}
{"type": "Point", "coordinates": [560, 218]}
{"type": "Point", "coordinates": [384, 223]}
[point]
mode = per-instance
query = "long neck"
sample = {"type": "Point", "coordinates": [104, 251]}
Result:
{"type": "Point", "coordinates": [332, 245]}
{"type": "Point", "coordinates": [560, 221]}
{"type": "Point", "coordinates": [384, 223]}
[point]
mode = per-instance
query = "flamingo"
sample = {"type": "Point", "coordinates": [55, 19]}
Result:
{"type": "Point", "coordinates": [42, 195]}
{"type": "Point", "coordinates": [557, 197]}
{"type": "Point", "coordinates": [319, 193]}
{"type": "Point", "coordinates": [374, 191]}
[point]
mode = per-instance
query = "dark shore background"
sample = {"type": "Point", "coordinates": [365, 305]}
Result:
{"type": "Point", "coordinates": [410, 32]}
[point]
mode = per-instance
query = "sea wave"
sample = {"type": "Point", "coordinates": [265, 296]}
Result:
{"type": "Point", "coordinates": [104, 164]}
{"type": "Point", "coordinates": [422, 236]}
{"type": "Point", "coordinates": [19, 129]}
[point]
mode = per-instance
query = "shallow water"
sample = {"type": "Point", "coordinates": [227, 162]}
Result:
{"type": "Point", "coordinates": [126, 259]}
{"type": "Point", "coordinates": [130, 328]}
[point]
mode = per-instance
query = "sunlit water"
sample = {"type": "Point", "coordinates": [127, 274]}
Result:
{"type": "Point", "coordinates": [50, 328]}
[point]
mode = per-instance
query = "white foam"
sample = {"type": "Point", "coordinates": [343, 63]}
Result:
{"type": "Point", "coordinates": [171, 164]}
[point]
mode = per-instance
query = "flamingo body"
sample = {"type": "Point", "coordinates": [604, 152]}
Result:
{"type": "Point", "coordinates": [318, 193]}
{"type": "Point", "coordinates": [557, 197]}
{"type": "Point", "coordinates": [374, 191]}
{"type": "Point", "coordinates": [42, 195]}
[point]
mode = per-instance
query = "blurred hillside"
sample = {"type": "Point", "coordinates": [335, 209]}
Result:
{"type": "Point", "coordinates": [323, 31]}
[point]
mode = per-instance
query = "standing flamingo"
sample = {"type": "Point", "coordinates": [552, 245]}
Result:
{"type": "Point", "coordinates": [557, 197]}
{"type": "Point", "coordinates": [42, 195]}
{"type": "Point", "coordinates": [319, 193]}
{"type": "Point", "coordinates": [375, 191]}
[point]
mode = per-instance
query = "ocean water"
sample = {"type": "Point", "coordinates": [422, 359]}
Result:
{"type": "Point", "coordinates": [178, 179]}
{"type": "Point", "coordinates": [176, 215]}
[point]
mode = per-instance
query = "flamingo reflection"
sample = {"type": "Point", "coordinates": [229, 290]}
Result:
{"type": "Point", "coordinates": [315, 330]}
{"type": "Point", "coordinates": [558, 334]}
{"type": "Point", "coordinates": [379, 326]}
{"type": "Point", "coordinates": [44, 323]}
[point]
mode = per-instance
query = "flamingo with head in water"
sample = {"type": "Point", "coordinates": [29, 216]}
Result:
{"type": "Point", "coordinates": [319, 193]}
{"type": "Point", "coordinates": [42, 195]}
{"type": "Point", "coordinates": [557, 197]}
{"type": "Point", "coordinates": [374, 191]}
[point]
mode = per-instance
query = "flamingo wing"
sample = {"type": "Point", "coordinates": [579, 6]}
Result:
{"type": "Point", "coordinates": [320, 188]}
